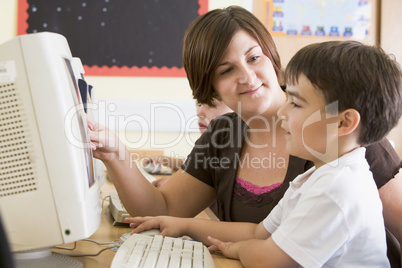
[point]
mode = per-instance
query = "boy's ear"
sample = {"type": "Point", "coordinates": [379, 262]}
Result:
{"type": "Point", "coordinates": [349, 120]}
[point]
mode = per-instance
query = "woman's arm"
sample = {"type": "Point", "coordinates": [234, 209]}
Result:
{"type": "Point", "coordinates": [183, 195]}
{"type": "Point", "coordinates": [391, 197]}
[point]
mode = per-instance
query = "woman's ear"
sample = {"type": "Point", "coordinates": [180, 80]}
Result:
{"type": "Point", "coordinates": [349, 120]}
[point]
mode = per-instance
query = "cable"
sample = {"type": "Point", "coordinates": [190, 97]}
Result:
{"type": "Point", "coordinates": [112, 245]}
{"type": "Point", "coordinates": [99, 243]}
{"type": "Point", "coordinates": [65, 248]}
{"type": "Point", "coordinates": [89, 255]}
{"type": "Point", "coordinates": [103, 200]}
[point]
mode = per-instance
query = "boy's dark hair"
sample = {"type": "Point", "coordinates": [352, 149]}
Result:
{"type": "Point", "coordinates": [358, 76]}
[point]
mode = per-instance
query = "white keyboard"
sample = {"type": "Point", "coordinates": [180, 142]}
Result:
{"type": "Point", "coordinates": [117, 208]}
{"type": "Point", "coordinates": [140, 250]}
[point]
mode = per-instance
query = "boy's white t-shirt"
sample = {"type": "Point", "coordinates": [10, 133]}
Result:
{"type": "Point", "coordinates": [332, 216]}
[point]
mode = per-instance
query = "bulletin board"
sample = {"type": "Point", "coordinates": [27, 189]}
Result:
{"type": "Point", "coordinates": [294, 24]}
{"type": "Point", "coordinates": [330, 18]}
{"type": "Point", "coordinates": [117, 37]}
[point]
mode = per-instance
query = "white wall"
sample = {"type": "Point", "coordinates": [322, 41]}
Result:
{"type": "Point", "coordinates": [8, 16]}
{"type": "Point", "coordinates": [391, 41]}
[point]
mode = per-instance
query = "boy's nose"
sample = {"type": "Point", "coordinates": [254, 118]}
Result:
{"type": "Point", "coordinates": [201, 111]}
{"type": "Point", "coordinates": [281, 113]}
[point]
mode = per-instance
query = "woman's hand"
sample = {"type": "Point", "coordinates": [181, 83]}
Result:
{"type": "Point", "coordinates": [104, 143]}
{"type": "Point", "coordinates": [168, 226]}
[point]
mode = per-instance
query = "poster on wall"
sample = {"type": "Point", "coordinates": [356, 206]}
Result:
{"type": "Point", "coordinates": [117, 37]}
{"type": "Point", "coordinates": [330, 18]}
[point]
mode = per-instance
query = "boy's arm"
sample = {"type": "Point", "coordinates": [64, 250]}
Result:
{"type": "Point", "coordinates": [254, 253]}
{"type": "Point", "coordinates": [199, 229]}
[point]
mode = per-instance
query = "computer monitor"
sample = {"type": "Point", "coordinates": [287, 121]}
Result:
{"type": "Point", "coordinates": [86, 98]}
{"type": "Point", "coordinates": [48, 193]}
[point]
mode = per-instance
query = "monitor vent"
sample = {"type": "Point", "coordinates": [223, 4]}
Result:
{"type": "Point", "coordinates": [16, 168]}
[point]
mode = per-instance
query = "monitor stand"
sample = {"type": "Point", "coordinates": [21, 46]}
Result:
{"type": "Point", "coordinates": [43, 258]}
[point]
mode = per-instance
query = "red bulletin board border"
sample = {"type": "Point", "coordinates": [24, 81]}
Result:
{"type": "Point", "coordinates": [22, 27]}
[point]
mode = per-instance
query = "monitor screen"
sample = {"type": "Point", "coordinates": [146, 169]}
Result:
{"type": "Point", "coordinates": [78, 103]}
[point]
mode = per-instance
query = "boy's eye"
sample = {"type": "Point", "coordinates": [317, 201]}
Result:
{"type": "Point", "coordinates": [295, 104]}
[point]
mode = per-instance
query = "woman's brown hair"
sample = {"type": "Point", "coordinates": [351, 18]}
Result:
{"type": "Point", "coordinates": [207, 39]}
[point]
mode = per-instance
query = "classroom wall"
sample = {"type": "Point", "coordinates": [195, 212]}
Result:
{"type": "Point", "coordinates": [134, 90]}
{"type": "Point", "coordinates": [391, 42]}
{"type": "Point", "coordinates": [140, 89]}
{"type": "Point", "coordinates": [173, 90]}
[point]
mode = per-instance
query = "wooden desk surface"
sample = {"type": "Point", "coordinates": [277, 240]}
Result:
{"type": "Point", "coordinates": [108, 233]}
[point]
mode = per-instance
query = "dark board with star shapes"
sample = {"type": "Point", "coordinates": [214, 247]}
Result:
{"type": "Point", "coordinates": [117, 37]}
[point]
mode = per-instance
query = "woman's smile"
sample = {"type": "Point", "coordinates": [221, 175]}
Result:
{"type": "Point", "coordinates": [250, 91]}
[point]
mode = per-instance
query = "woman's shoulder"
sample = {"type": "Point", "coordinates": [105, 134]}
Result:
{"type": "Point", "coordinates": [229, 120]}
{"type": "Point", "coordinates": [383, 160]}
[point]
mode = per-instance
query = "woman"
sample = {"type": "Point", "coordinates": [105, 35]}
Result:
{"type": "Point", "coordinates": [205, 113]}
{"type": "Point", "coordinates": [241, 161]}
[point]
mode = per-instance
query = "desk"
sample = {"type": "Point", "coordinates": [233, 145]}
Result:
{"type": "Point", "coordinates": [108, 233]}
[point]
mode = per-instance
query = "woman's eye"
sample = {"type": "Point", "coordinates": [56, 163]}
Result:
{"type": "Point", "coordinates": [225, 71]}
{"type": "Point", "coordinates": [253, 58]}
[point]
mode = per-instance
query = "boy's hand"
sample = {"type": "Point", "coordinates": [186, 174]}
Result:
{"type": "Point", "coordinates": [168, 226]}
{"type": "Point", "coordinates": [254, 252]}
{"type": "Point", "coordinates": [228, 249]}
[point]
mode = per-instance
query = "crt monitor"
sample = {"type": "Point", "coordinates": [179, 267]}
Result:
{"type": "Point", "coordinates": [48, 194]}
{"type": "Point", "coordinates": [86, 96]}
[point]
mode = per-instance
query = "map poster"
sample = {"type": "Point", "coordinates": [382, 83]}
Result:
{"type": "Point", "coordinates": [330, 18]}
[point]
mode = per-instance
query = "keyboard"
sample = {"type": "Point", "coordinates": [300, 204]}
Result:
{"type": "Point", "coordinates": [141, 250]}
{"type": "Point", "coordinates": [117, 208]}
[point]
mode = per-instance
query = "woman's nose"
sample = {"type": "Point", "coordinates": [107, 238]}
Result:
{"type": "Point", "coordinates": [247, 75]}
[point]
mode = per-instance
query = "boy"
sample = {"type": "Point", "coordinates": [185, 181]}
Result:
{"type": "Point", "coordinates": [341, 97]}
